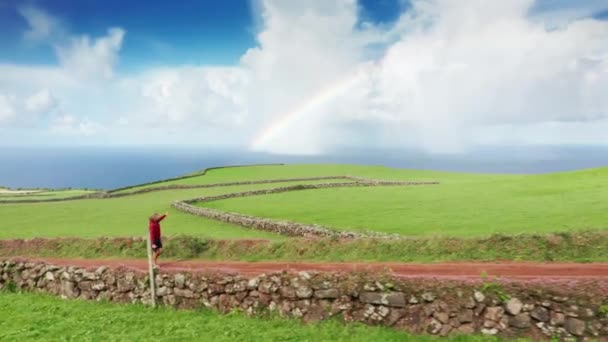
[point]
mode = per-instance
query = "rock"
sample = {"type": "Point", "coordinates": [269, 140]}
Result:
{"type": "Point", "coordinates": [394, 299]}
{"type": "Point", "coordinates": [240, 286]}
{"type": "Point", "coordinates": [69, 289]}
{"type": "Point", "coordinates": [445, 330]}
{"type": "Point", "coordinates": [267, 287]}
{"type": "Point", "coordinates": [479, 297]}
{"type": "Point", "coordinates": [514, 306]}
{"type": "Point", "coordinates": [163, 291]}
{"type": "Point", "coordinates": [180, 280]}
{"type": "Point", "coordinates": [521, 321]}
{"type": "Point", "coordinates": [185, 293]}
{"type": "Point", "coordinates": [469, 303]}
{"type": "Point", "coordinates": [492, 331]}
{"type": "Point", "coordinates": [49, 276]}
{"type": "Point", "coordinates": [466, 329]}
{"type": "Point", "coordinates": [494, 313]}
{"type": "Point", "coordinates": [329, 294]}
{"type": "Point", "coordinates": [99, 286]}
{"type": "Point", "coordinates": [413, 300]}
{"type": "Point", "coordinates": [85, 285]}
{"type": "Point", "coordinates": [253, 283]}
{"type": "Point", "coordinates": [89, 275]}
{"type": "Point", "coordinates": [528, 307]}
{"type": "Point", "coordinates": [479, 309]}
{"type": "Point", "coordinates": [215, 289]}
{"type": "Point", "coordinates": [575, 326]}
{"type": "Point", "coordinates": [304, 275]}
{"type": "Point", "coordinates": [557, 318]}
{"type": "Point", "coordinates": [465, 316]}
{"type": "Point", "coordinates": [586, 313]}
{"type": "Point", "coordinates": [170, 300]}
{"type": "Point", "coordinates": [100, 270]}
{"type": "Point", "coordinates": [540, 314]}
{"type": "Point", "coordinates": [394, 316]}
{"type": "Point", "coordinates": [198, 286]}
{"type": "Point", "coordinates": [287, 292]}
{"type": "Point", "coordinates": [441, 317]}
{"type": "Point", "coordinates": [559, 299]}
{"type": "Point", "coordinates": [303, 292]}
{"type": "Point", "coordinates": [434, 327]}
{"type": "Point", "coordinates": [383, 311]}
{"type": "Point", "coordinates": [127, 283]}
{"type": "Point", "coordinates": [428, 297]}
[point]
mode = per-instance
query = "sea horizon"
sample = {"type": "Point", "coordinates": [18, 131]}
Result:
{"type": "Point", "coordinates": [114, 167]}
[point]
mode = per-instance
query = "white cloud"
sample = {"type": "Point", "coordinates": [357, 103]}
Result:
{"type": "Point", "coordinates": [7, 108]}
{"type": "Point", "coordinates": [25, 110]}
{"type": "Point", "coordinates": [453, 69]}
{"type": "Point", "coordinates": [42, 25]}
{"type": "Point", "coordinates": [88, 58]}
{"type": "Point", "coordinates": [195, 95]}
{"type": "Point", "coordinates": [451, 75]}
{"type": "Point", "coordinates": [69, 125]}
{"type": "Point", "coordinates": [40, 102]}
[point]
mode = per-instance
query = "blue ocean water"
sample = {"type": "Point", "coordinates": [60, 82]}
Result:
{"type": "Point", "coordinates": [107, 168]}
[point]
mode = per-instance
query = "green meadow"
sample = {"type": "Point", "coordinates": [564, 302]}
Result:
{"type": "Point", "coordinates": [461, 206]}
{"type": "Point", "coordinates": [42, 195]}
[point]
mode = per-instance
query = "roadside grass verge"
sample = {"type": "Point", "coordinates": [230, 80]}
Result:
{"type": "Point", "coordinates": [562, 247]}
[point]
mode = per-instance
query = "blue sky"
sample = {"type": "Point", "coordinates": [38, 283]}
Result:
{"type": "Point", "coordinates": [304, 76]}
{"type": "Point", "coordinates": [163, 32]}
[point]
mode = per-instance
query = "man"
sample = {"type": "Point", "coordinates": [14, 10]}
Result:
{"type": "Point", "coordinates": [155, 236]}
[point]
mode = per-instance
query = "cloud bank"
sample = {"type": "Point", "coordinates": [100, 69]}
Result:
{"type": "Point", "coordinates": [445, 77]}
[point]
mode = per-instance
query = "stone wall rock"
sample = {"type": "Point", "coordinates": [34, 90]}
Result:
{"type": "Point", "coordinates": [438, 308]}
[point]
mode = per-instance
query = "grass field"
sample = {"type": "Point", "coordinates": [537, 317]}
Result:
{"type": "Point", "coordinates": [34, 317]}
{"type": "Point", "coordinates": [461, 206]}
{"type": "Point", "coordinates": [42, 195]}
{"type": "Point", "coordinates": [123, 216]}
{"type": "Point", "coordinates": [252, 173]}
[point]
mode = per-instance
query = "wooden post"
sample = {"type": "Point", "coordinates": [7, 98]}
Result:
{"type": "Point", "coordinates": [151, 269]}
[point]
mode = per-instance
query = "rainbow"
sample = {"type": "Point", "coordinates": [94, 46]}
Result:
{"type": "Point", "coordinates": [318, 99]}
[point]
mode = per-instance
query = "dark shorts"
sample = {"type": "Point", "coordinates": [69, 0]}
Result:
{"type": "Point", "coordinates": [158, 243]}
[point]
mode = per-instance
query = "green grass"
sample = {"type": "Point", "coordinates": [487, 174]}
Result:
{"type": "Point", "coordinates": [252, 173]}
{"type": "Point", "coordinates": [461, 206]}
{"type": "Point", "coordinates": [42, 195]}
{"type": "Point", "coordinates": [35, 317]}
{"type": "Point", "coordinates": [571, 247]}
{"type": "Point", "coordinates": [122, 216]}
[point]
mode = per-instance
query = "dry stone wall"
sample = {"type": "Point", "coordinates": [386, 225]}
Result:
{"type": "Point", "coordinates": [284, 227]}
{"type": "Point", "coordinates": [424, 307]}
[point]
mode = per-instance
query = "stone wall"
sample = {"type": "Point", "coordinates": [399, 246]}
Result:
{"type": "Point", "coordinates": [284, 227]}
{"type": "Point", "coordinates": [424, 307]}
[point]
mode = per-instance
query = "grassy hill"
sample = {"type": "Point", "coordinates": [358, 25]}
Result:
{"type": "Point", "coordinates": [462, 205]}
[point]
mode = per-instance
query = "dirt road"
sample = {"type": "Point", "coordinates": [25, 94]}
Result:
{"type": "Point", "coordinates": [456, 270]}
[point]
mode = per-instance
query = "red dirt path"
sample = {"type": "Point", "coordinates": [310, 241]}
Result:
{"type": "Point", "coordinates": [456, 270]}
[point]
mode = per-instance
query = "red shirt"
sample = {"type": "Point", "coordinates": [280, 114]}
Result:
{"type": "Point", "coordinates": [154, 227]}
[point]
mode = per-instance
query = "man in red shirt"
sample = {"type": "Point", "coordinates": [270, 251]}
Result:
{"type": "Point", "coordinates": [154, 227]}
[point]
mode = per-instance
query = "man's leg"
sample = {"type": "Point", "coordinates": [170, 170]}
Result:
{"type": "Point", "coordinates": [157, 253]}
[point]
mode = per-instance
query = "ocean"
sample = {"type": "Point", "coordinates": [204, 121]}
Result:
{"type": "Point", "coordinates": [107, 168]}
